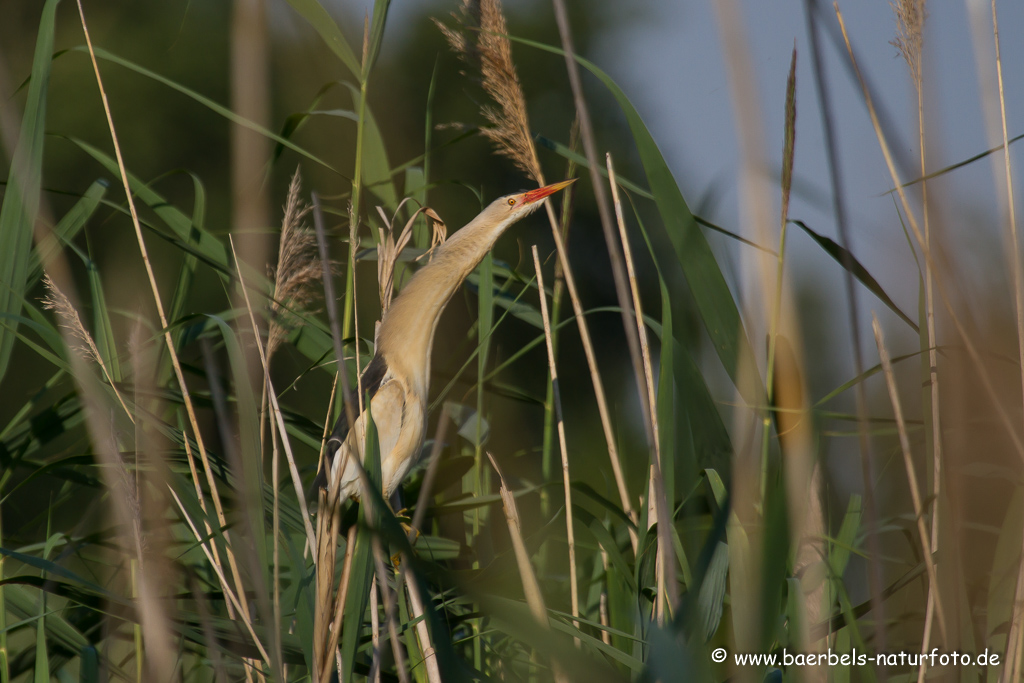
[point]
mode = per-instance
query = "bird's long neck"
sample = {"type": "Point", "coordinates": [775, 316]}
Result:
{"type": "Point", "coordinates": [407, 331]}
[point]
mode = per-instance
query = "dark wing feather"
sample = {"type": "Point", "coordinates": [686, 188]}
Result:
{"type": "Point", "coordinates": [373, 376]}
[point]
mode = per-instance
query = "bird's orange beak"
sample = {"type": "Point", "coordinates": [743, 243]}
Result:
{"type": "Point", "coordinates": [546, 191]}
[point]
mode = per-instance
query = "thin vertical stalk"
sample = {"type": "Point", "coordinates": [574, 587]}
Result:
{"type": "Point", "coordinates": [229, 594]}
{"type": "Point", "coordinates": [422, 630]}
{"type": "Point", "coordinates": [168, 340]}
{"type": "Point", "coordinates": [986, 380]}
{"type": "Point", "coordinates": [389, 611]}
{"type": "Point", "coordinates": [788, 150]}
{"type": "Point", "coordinates": [566, 482]}
{"type": "Point", "coordinates": [531, 587]}
{"type": "Point", "coordinates": [1015, 639]}
{"type": "Point", "coordinates": [839, 209]}
{"type": "Point", "coordinates": [668, 588]}
{"type": "Point", "coordinates": [595, 376]}
{"type": "Point", "coordinates": [428, 479]}
{"type": "Point", "coordinates": [601, 198]}
{"type": "Point", "coordinates": [357, 181]}
{"type": "Point", "coordinates": [908, 463]}
{"type": "Point", "coordinates": [300, 493]}
{"type": "Point", "coordinates": [374, 676]}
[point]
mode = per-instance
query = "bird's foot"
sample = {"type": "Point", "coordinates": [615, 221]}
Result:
{"type": "Point", "coordinates": [405, 521]}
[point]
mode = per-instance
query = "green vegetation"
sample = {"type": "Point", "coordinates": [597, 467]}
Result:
{"type": "Point", "coordinates": [157, 452]}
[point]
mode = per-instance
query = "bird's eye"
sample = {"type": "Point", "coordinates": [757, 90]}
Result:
{"type": "Point", "coordinates": [511, 201]}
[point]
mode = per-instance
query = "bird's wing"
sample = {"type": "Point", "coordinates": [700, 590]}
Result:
{"type": "Point", "coordinates": [371, 380]}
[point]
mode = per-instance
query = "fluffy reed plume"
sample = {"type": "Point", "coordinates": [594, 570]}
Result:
{"type": "Point", "coordinates": [68, 318]}
{"type": "Point", "coordinates": [299, 271]}
{"type": "Point", "coordinates": [910, 16]}
{"type": "Point", "coordinates": [491, 53]}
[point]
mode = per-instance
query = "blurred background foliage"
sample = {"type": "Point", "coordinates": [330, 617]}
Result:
{"type": "Point", "coordinates": [427, 106]}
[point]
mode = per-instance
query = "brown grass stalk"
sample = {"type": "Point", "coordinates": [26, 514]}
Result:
{"type": "Point", "coordinates": [668, 588]}
{"type": "Point", "coordinates": [910, 18]}
{"type": "Point", "coordinates": [563, 449]}
{"type": "Point", "coordinates": [908, 463]}
{"type": "Point", "coordinates": [1015, 639]}
{"type": "Point", "coordinates": [415, 600]}
{"type": "Point", "coordinates": [422, 630]}
{"type": "Point", "coordinates": [531, 587]}
{"type": "Point", "coordinates": [588, 139]}
{"type": "Point", "coordinates": [374, 676]}
{"type": "Point", "coordinates": [390, 618]}
{"type": "Point", "coordinates": [276, 408]}
{"type": "Point", "coordinates": [168, 339]}
{"type": "Point", "coordinates": [339, 606]}
{"type": "Point", "coordinates": [232, 598]}
{"type": "Point", "coordinates": [492, 53]}
{"type": "Point", "coordinates": [972, 350]}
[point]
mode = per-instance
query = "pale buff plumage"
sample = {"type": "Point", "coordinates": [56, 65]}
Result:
{"type": "Point", "coordinates": [398, 377]}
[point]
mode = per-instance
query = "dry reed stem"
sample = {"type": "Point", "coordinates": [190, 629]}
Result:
{"type": "Point", "coordinates": [563, 449]}
{"type": "Point", "coordinates": [668, 588]}
{"type": "Point", "coordinates": [1016, 634]}
{"type": "Point", "coordinates": [230, 446]}
{"type": "Point", "coordinates": [220, 576]}
{"type": "Point", "coordinates": [353, 242]}
{"type": "Point", "coordinates": [601, 199]}
{"type": "Point", "coordinates": [422, 630]}
{"type": "Point", "coordinates": [71, 322]}
{"type": "Point", "coordinates": [910, 18]}
{"type": "Point", "coordinates": [168, 340]}
{"type": "Point", "coordinates": [531, 587]}
{"type": "Point", "coordinates": [293, 469]}
{"type": "Point", "coordinates": [374, 676]}
{"type": "Point", "coordinates": [275, 524]}
{"type": "Point", "coordinates": [415, 600]}
{"type": "Point", "coordinates": [326, 551]}
{"type": "Point", "coordinates": [972, 350]}
{"type": "Point", "coordinates": [341, 599]}
{"type": "Point", "coordinates": [390, 605]}
{"type": "Point", "coordinates": [595, 376]}
{"type": "Point", "coordinates": [493, 51]}
{"type": "Point", "coordinates": [908, 463]}
{"type": "Point", "coordinates": [332, 311]}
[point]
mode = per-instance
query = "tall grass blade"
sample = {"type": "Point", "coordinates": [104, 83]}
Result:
{"type": "Point", "coordinates": [66, 229]}
{"type": "Point", "coordinates": [22, 194]}
{"type": "Point", "coordinates": [313, 12]}
{"type": "Point", "coordinates": [208, 103]}
{"type": "Point", "coordinates": [848, 261]}
{"type": "Point", "coordinates": [361, 577]}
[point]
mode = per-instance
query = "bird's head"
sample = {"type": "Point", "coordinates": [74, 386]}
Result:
{"type": "Point", "coordinates": [512, 207]}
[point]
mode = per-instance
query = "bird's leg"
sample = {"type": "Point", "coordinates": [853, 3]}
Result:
{"type": "Point", "coordinates": [404, 519]}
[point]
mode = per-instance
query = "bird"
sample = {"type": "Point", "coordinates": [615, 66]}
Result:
{"type": "Point", "coordinates": [397, 378]}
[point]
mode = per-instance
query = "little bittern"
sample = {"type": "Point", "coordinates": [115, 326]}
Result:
{"type": "Point", "coordinates": [397, 379]}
